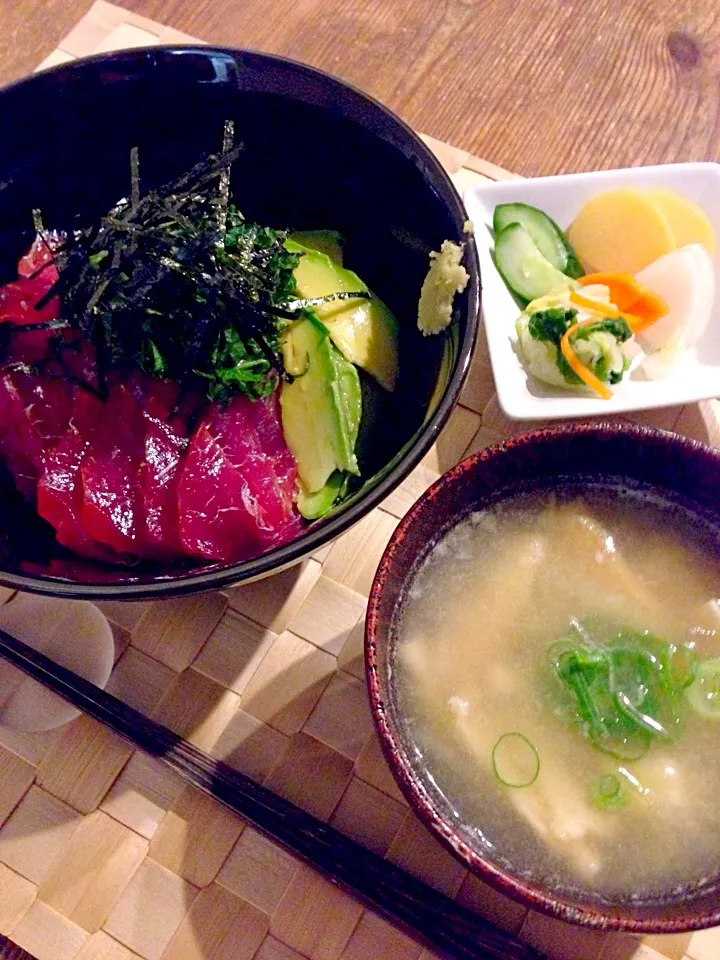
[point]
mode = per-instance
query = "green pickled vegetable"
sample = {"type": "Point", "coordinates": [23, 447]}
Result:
{"type": "Point", "coordinates": [547, 235]}
{"type": "Point", "coordinates": [595, 343]}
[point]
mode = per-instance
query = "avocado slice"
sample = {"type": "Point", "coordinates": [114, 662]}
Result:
{"type": "Point", "coordinates": [364, 331]}
{"type": "Point", "coordinates": [321, 407]}
{"type": "Point", "coordinates": [315, 505]}
{"type": "Point", "coordinates": [328, 242]}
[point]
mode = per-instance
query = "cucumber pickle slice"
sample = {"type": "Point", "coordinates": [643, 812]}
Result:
{"type": "Point", "coordinates": [524, 269]}
{"type": "Point", "coordinates": [547, 235]}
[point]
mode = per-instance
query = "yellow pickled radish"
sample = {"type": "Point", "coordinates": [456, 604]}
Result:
{"type": "Point", "coordinates": [620, 231]}
{"type": "Point", "coordinates": [688, 222]}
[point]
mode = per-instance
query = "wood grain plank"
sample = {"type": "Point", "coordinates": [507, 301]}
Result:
{"type": "Point", "coordinates": [288, 683]}
{"type": "Point", "coordinates": [375, 938]}
{"type": "Point", "coordinates": [195, 837]}
{"type": "Point", "coordinates": [83, 764]}
{"type": "Point", "coordinates": [219, 926]}
{"type": "Point", "coordinates": [315, 917]}
{"type": "Point", "coordinates": [47, 935]}
{"type": "Point", "coordinates": [150, 910]}
{"type": "Point", "coordinates": [16, 775]}
{"type": "Point", "coordinates": [36, 834]}
{"type": "Point", "coordinates": [142, 794]}
{"type": "Point", "coordinates": [258, 871]}
{"type": "Point", "coordinates": [102, 947]}
{"type": "Point", "coordinates": [585, 78]}
{"type": "Point", "coordinates": [16, 897]}
{"type": "Point", "coordinates": [311, 775]}
{"type": "Point", "coordinates": [99, 862]}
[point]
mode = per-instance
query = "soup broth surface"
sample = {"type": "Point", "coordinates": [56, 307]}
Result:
{"type": "Point", "coordinates": [473, 663]}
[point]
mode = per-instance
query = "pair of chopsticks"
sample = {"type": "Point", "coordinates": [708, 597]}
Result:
{"type": "Point", "coordinates": [400, 898]}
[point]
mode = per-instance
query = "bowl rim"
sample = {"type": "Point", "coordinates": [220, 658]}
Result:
{"type": "Point", "coordinates": [533, 896]}
{"type": "Point", "coordinates": [285, 555]}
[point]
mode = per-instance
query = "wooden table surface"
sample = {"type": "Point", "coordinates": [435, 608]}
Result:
{"type": "Point", "coordinates": [537, 86]}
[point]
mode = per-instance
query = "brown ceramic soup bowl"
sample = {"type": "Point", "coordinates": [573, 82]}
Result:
{"type": "Point", "coordinates": [577, 457]}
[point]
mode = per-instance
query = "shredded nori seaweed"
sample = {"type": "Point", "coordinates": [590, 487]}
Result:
{"type": "Point", "coordinates": [176, 281]}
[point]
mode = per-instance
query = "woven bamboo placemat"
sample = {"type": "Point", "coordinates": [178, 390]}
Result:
{"type": "Point", "coordinates": [104, 855]}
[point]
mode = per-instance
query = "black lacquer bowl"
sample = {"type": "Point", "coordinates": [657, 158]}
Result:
{"type": "Point", "coordinates": [317, 154]}
{"type": "Point", "coordinates": [579, 456]}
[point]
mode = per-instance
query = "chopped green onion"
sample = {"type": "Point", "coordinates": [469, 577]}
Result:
{"type": "Point", "coordinates": [644, 720]}
{"type": "Point", "coordinates": [683, 666]}
{"type": "Point", "coordinates": [97, 258]}
{"type": "Point", "coordinates": [573, 671]}
{"type": "Point", "coordinates": [638, 684]}
{"type": "Point", "coordinates": [631, 746]}
{"type": "Point", "coordinates": [153, 361]}
{"type": "Point", "coordinates": [515, 760]}
{"type": "Point", "coordinates": [704, 692]}
{"type": "Point", "coordinates": [626, 689]}
{"type": "Point", "coordinates": [610, 791]}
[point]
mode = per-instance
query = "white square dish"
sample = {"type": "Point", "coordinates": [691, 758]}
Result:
{"type": "Point", "coordinates": [696, 376]}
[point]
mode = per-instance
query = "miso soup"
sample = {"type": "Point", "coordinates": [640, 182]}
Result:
{"type": "Point", "coordinates": [558, 667]}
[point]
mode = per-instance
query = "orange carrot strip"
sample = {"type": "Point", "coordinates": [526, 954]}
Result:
{"type": "Point", "coordinates": [649, 306]}
{"type": "Point", "coordinates": [598, 306]}
{"type": "Point", "coordinates": [624, 288]}
{"type": "Point", "coordinates": [587, 376]}
{"type": "Point", "coordinates": [628, 295]}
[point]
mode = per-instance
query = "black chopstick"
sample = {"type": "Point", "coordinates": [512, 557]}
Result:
{"type": "Point", "coordinates": [408, 903]}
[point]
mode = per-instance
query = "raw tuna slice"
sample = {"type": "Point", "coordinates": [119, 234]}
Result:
{"type": "Point", "coordinates": [214, 522]}
{"type": "Point", "coordinates": [76, 362]}
{"type": "Point", "coordinates": [60, 492]}
{"type": "Point", "coordinates": [266, 418]}
{"type": "Point", "coordinates": [233, 499]}
{"type": "Point", "coordinates": [60, 497]}
{"type": "Point", "coordinates": [159, 475]}
{"type": "Point", "coordinates": [18, 300]}
{"type": "Point", "coordinates": [112, 503]}
{"type": "Point", "coordinates": [48, 405]}
{"type": "Point", "coordinates": [261, 494]}
{"type": "Point", "coordinates": [34, 415]}
{"type": "Point", "coordinates": [20, 445]}
{"type": "Point", "coordinates": [164, 446]}
{"type": "Point", "coordinates": [41, 253]}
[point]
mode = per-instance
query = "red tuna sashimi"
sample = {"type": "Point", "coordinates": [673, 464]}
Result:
{"type": "Point", "coordinates": [214, 522]}
{"type": "Point", "coordinates": [34, 414]}
{"type": "Point", "coordinates": [48, 405]}
{"type": "Point", "coordinates": [255, 444]}
{"type": "Point", "coordinates": [156, 397]}
{"type": "Point", "coordinates": [20, 447]}
{"type": "Point", "coordinates": [266, 418]}
{"type": "Point", "coordinates": [112, 503]}
{"type": "Point", "coordinates": [41, 252]}
{"type": "Point", "coordinates": [60, 491]}
{"type": "Point", "coordinates": [76, 362]}
{"type": "Point", "coordinates": [164, 446]}
{"type": "Point", "coordinates": [159, 476]}
{"type": "Point", "coordinates": [18, 300]}
{"type": "Point", "coordinates": [230, 497]}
